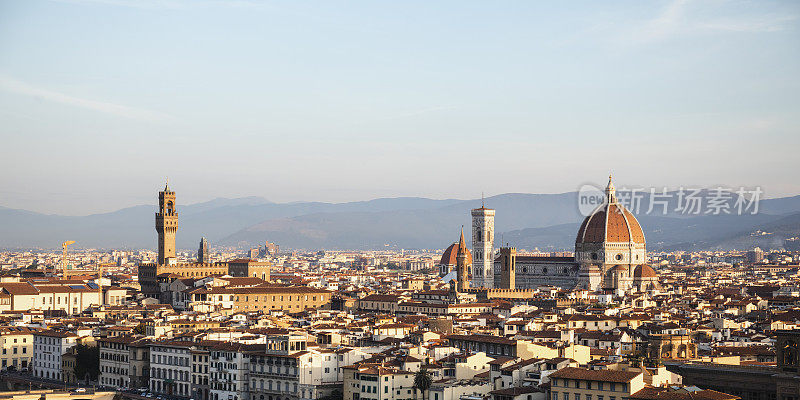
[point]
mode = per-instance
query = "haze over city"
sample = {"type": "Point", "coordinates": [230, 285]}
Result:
{"type": "Point", "coordinates": [309, 101]}
{"type": "Point", "coordinates": [399, 200]}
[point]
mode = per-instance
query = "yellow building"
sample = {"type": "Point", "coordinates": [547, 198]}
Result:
{"type": "Point", "coordinates": [188, 325]}
{"type": "Point", "coordinates": [17, 347]}
{"type": "Point", "coordinates": [584, 384]}
{"type": "Point", "coordinates": [260, 298]}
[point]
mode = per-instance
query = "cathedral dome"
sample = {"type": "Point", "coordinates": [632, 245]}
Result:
{"type": "Point", "coordinates": [610, 222]}
{"type": "Point", "coordinates": [449, 256]}
{"type": "Point", "coordinates": [644, 271]}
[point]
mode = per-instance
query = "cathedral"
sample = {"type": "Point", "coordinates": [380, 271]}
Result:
{"type": "Point", "coordinates": [610, 254]}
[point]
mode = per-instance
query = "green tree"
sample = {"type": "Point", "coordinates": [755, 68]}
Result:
{"type": "Point", "coordinates": [87, 360]}
{"type": "Point", "coordinates": [422, 381]}
{"type": "Point", "coordinates": [140, 330]}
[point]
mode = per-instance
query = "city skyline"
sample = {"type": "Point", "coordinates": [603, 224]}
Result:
{"type": "Point", "coordinates": [302, 102]}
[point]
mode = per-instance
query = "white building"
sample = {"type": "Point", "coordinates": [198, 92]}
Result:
{"type": "Point", "coordinates": [114, 362]}
{"type": "Point", "coordinates": [321, 371]}
{"type": "Point", "coordinates": [229, 367]}
{"type": "Point", "coordinates": [170, 368]}
{"type": "Point", "coordinates": [48, 347]}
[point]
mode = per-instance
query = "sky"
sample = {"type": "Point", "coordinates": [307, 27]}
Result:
{"type": "Point", "coordinates": [102, 101]}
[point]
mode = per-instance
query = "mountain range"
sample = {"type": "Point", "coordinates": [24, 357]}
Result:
{"type": "Point", "coordinates": [531, 221]}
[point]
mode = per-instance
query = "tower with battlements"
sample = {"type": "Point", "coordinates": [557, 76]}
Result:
{"type": "Point", "coordinates": [166, 226]}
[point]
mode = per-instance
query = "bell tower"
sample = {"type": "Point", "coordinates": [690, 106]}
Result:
{"type": "Point", "coordinates": [462, 265]}
{"type": "Point", "coordinates": [483, 247]}
{"type": "Point", "coordinates": [166, 225]}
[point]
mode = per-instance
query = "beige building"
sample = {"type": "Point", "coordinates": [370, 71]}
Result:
{"type": "Point", "coordinates": [246, 267]}
{"type": "Point", "coordinates": [584, 384]}
{"type": "Point", "coordinates": [17, 347]}
{"type": "Point", "coordinates": [259, 298]}
{"type": "Point", "coordinates": [375, 382]}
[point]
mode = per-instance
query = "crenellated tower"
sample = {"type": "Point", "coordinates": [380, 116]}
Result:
{"type": "Point", "coordinates": [166, 225]}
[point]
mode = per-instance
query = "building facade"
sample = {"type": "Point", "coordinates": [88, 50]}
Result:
{"type": "Point", "coordinates": [170, 368]}
{"type": "Point", "coordinates": [115, 363]}
{"type": "Point", "coordinates": [17, 347]}
{"type": "Point", "coordinates": [48, 347]}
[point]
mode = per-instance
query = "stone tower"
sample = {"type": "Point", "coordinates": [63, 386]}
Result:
{"type": "Point", "coordinates": [508, 268]}
{"type": "Point", "coordinates": [462, 265]}
{"type": "Point", "coordinates": [166, 225]}
{"type": "Point", "coordinates": [203, 255]}
{"type": "Point", "coordinates": [483, 247]}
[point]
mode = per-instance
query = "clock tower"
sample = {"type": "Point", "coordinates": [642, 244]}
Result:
{"type": "Point", "coordinates": [166, 225]}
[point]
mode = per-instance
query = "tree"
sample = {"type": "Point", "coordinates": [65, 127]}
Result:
{"type": "Point", "coordinates": [140, 330]}
{"type": "Point", "coordinates": [422, 381]}
{"type": "Point", "coordinates": [87, 362]}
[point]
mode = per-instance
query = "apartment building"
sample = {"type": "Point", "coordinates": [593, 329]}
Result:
{"type": "Point", "coordinates": [376, 382]}
{"type": "Point", "coordinates": [170, 368]}
{"type": "Point", "coordinates": [584, 384]}
{"type": "Point", "coordinates": [17, 347]}
{"type": "Point", "coordinates": [320, 371]}
{"type": "Point", "coordinates": [139, 363]}
{"type": "Point", "coordinates": [48, 348]}
{"type": "Point", "coordinates": [274, 376]}
{"type": "Point", "coordinates": [201, 387]}
{"type": "Point", "coordinates": [115, 362]}
{"type": "Point", "coordinates": [260, 298]}
{"type": "Point", "coordinates": [229, 367]}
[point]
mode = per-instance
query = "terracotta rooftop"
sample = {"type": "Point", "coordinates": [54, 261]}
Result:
{"type": "Point", "coordinates": [595, 375]}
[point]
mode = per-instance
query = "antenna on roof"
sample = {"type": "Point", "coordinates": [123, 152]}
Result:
{"type": "Point", "coordinates": [482, 201]}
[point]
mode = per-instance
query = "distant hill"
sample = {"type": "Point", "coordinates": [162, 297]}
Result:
{"type": "Point", "coordinates": [544, 221]}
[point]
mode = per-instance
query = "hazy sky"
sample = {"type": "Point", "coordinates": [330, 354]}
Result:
{"type": "Point", "coordinates": [348, 100]}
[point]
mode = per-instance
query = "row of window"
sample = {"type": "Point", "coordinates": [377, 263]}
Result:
{"type": "Point", "coordinates": [15, 350]}
{"type": "Point", "coordinates": [114, 357]}
{"type": "Point", "coordinates": [24, 340]}
{"type": "Point", "coordinates": [169, 360]}
{"type": "Point", "coordinates": [262, 385]}
{"type": "Point", "coordinates": [169, 374]}
{"type": "Point", "coordinates": [580, 384]}
{"type": "Point", "coordinates": [578, 396]}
